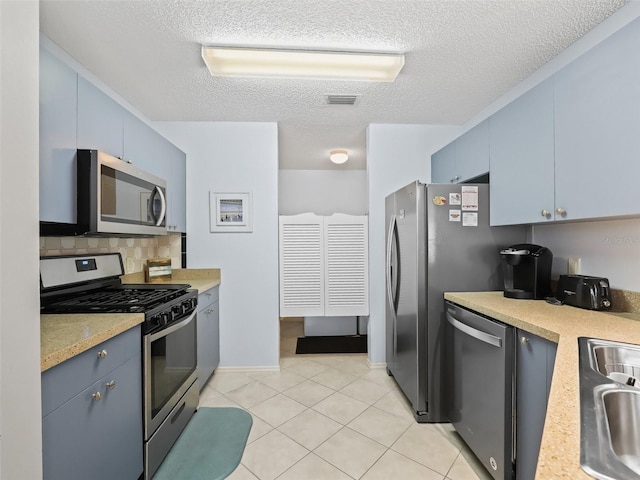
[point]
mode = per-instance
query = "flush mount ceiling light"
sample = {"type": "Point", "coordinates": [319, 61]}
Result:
{"type": "Point", "coordinates": [338, 156]}
{"type": "Point", "coordinates": [255, 62]}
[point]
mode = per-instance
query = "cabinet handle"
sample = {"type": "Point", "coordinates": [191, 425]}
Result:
{"type": "Point", "coordinates": [111, 385]}
{"type": "Point", "coordinates": [96, 396]}
{"type": "Point", "coordinates": [545, 213]}
{"type": "Point", "coordinates": [102, 354]}
{"type": "Point", "coordinates": [524, 340]}
{"type": "Point", "coordinates": [561, 211]}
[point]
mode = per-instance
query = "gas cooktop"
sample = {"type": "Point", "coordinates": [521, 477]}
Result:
{"type": "Point", "coordinates": [126, 298]}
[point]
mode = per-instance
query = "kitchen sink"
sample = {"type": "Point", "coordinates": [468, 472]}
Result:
{"type": "Point", "coordinates": [611, 357]}
{"type": "Point", "coordinates": [622, 409]}
{"type": "Point", "coordinates": [609, 409]}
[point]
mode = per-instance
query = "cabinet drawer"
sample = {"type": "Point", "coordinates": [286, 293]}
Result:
{"type": "Point", "coordinates": [98, 439]}
{"type": "Point", "coordinates": [207, 297]}
{"type": "Point", "coordinates": [64, 381]}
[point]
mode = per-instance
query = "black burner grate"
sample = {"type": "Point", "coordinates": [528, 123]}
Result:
{"type": "Point", "coordinates": [126, 298]}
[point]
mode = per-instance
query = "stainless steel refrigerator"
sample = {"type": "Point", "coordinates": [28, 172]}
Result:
{"type": "Point", "coordinates": [438, 240]}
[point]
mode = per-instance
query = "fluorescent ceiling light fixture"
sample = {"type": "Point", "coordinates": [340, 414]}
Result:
{"type": "Point", "coordinates": [338, 156]}
{"type": "Point", "coordinates": [254, 62]}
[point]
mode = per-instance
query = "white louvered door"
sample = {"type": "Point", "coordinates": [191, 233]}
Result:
{"type": "Point", "coordinates": [301, 265]}
{"type": "Point", "coordinates": [346, 265]}
{"type": "Point", "coordinates": [324, 265]}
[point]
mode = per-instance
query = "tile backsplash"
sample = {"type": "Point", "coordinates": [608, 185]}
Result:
{"type": "Point", "coordinates": [134, 251]}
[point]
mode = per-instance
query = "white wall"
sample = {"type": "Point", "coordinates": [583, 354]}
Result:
{"type": "Point", "coordinates": [20, 409]}
{"type": "Point", "coordinates": [607, 249]}
{"type": "Point", "coordinates": [396, 156]}
{"type": "Point", "coordinates": [323, 192]}
{"type": "Point", "coordinates": [236, 157]}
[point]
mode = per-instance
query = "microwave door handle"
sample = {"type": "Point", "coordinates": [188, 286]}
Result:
{"type": "Point", "coordinates": [163, 206]}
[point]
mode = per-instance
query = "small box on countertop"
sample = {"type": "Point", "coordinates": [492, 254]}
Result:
{"type": "Point", "coordinates": [158, 269]}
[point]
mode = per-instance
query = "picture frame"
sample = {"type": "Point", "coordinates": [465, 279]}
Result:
{"type": "Point", "coordinates": [230, 212]}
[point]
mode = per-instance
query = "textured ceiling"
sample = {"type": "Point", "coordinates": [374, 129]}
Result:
{"type": "Point", "coordinates": [461, 55]}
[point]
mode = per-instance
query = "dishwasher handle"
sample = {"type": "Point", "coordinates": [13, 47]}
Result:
{"type": "Point", "coordinates": [477, 334]}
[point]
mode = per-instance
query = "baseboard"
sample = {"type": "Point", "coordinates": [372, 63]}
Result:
{"type": "Point", "coordinates": [376, 365]}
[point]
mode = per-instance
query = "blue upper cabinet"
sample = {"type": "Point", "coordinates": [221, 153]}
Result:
{"type": "Point", "coordinates": [141, 145]}
{"type": "Point", "coordinates": [177, 217]}
{"type": "Point", "coordinates": [58, 106]}
{"type": "Point", "coordinates": [145, 147]}
{"type": "Point", "coordinates": [522, 159]}
{"type": "Point", "coordinates": [100, 120]}
{"type": "Point", "coordinates": [569, 149]}
{"type": "Point", "coordinates": [443, 165]}
{"type": "Point", "coordinates": [76, 114]}
{"type": "Point", "coordinates": [597, 120]}
{"type": "Point", "coordinates": [472, 152]}
{"type": "Point", "coordinates": [463, 159]}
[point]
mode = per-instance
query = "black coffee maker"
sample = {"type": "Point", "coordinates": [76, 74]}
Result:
{"type": "Point", "coordinates": [527, 271]}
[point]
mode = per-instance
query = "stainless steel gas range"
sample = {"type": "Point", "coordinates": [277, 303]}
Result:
{"type": "Point", "coordinates": [91, 284]}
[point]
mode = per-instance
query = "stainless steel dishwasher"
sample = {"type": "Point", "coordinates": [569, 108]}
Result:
{"type": "Point", "coordinates": [481, 388]}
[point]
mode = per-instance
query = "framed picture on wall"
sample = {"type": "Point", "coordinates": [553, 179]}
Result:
{"type": "Point", "coordinates": [230, 212]}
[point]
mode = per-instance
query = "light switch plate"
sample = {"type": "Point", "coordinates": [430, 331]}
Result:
{"type": "Point", "coordinates": [573, 266]}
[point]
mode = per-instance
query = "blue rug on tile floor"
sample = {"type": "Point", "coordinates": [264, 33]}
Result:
{"type": "Point", "coordinates": [210, 447]}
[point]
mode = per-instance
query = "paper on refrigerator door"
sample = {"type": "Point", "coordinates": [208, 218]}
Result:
{"type": "Point", "coordinates": [470, 198]}
{"type": "Point", "coordinates": [469, 219]}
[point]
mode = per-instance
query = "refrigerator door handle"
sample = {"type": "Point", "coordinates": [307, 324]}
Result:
{"type": "Point", "coordinates": [391, 294]}
{"type": "Point", "coordinates": [477, 334]}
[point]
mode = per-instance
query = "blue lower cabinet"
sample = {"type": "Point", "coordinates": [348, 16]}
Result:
{"type": "Point", "coordinates": [208, 335]}
{"type": "Point", "coordinates": [97, 433]}
{"type": "Point", "coordinates": [535, 359]}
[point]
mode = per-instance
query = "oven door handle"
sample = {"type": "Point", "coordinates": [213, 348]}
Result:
{"type": "Point", "coordinates": [173, 328]}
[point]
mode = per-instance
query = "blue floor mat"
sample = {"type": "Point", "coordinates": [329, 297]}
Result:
{"type": "Point", "coordinates": [210, 447]}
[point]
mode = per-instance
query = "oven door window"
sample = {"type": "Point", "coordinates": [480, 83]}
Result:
{"type": "Point", "coordinates": [173, 360]}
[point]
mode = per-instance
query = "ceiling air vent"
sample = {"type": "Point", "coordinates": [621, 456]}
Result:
{"type": "Point", "coordinates": [341, 99]}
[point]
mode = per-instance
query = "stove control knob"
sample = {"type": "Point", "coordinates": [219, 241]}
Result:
{"type": "Point", "coordinates": [156, 320]}
{"type": "Point", "coordinates": [165, 317]}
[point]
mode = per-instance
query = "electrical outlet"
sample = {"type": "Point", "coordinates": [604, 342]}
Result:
{"type": "Point", "coordinates": [573, 266]}
{"type": "Point", "coordinates": [131, 265]}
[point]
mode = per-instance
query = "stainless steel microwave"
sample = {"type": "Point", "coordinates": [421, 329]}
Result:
{"type": "Point", "coordinates": [116, 197]}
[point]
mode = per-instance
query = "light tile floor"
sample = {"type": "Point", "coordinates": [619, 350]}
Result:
{"type": "Point", "coordinates": [331, 417]}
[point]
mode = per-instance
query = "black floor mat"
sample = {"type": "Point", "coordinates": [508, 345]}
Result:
{"type": "Point", "coordinates": [334, 344]}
